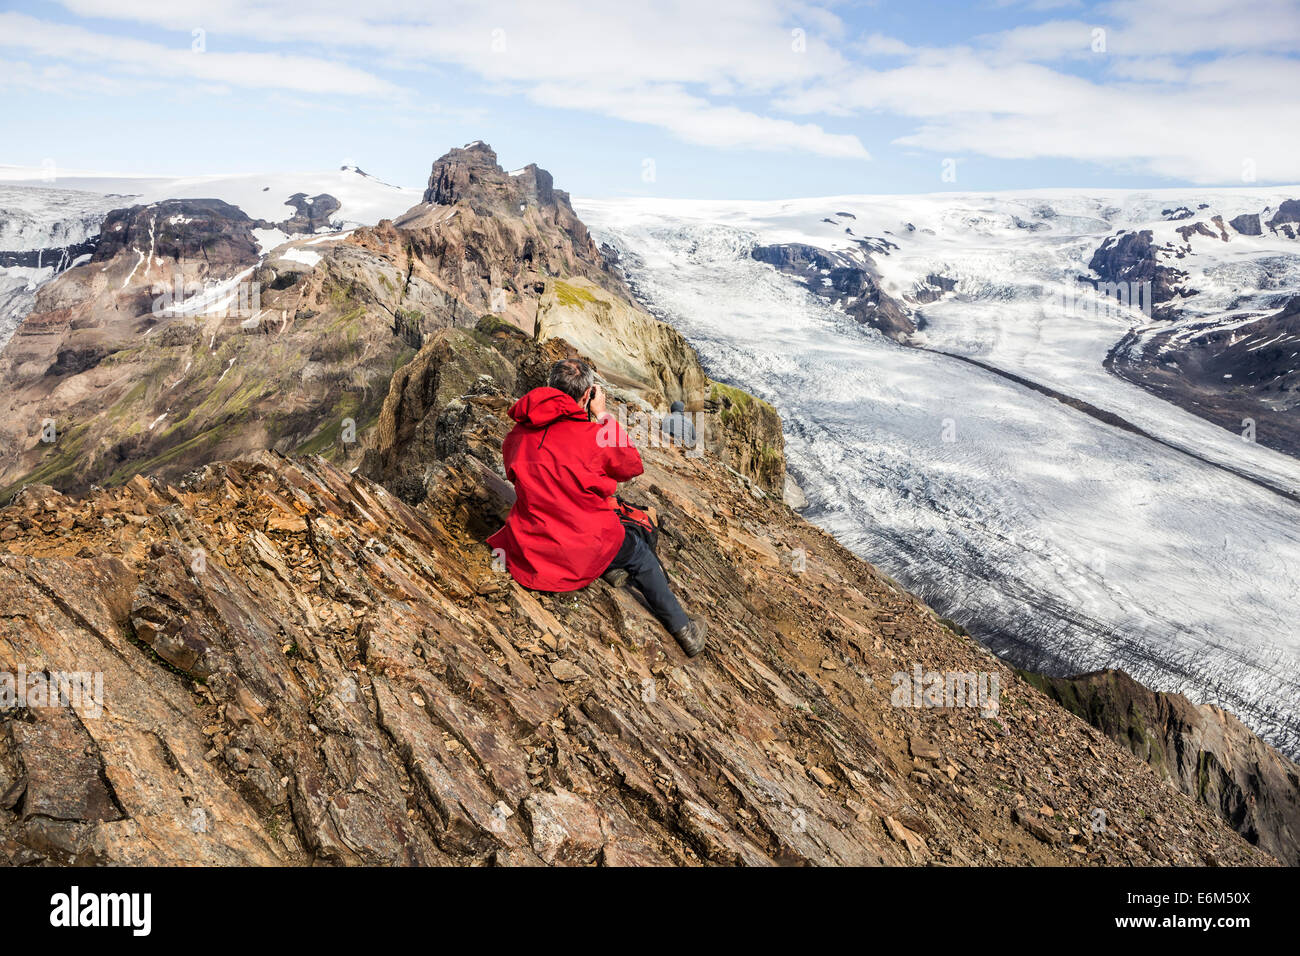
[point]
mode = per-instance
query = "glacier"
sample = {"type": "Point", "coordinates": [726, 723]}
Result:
{"type": "Point", "coordinates": [1066, 544]}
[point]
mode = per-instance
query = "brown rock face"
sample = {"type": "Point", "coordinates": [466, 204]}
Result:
{"type": "Point", "coordinates": [1204, 751]}
{"type": "Point", "coordinates": [1129, 258]}
{"type": "Point", "coordinates": [298, 667]}
{"type": "Point", "coordinates": [470, 173]}
{"type": "Point", "coordinates": [180, 229]}
{"type": "Point", "coordinates": [565, 829]}
{"type": "Point", "coordinates": [632, 349]}
{"type": "Point", "coordinates": [748, 437]}
{"type": "Point", "coordinates": [470, 177]}
{"type": "Point", "coordinates": [434, 398]}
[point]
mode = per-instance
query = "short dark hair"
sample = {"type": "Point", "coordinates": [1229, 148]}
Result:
{"type": "Point", "coordinates": [572, 377]}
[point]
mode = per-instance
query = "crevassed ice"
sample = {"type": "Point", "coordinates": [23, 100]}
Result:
{"type": "Point", "coordinates": [1067, 544]}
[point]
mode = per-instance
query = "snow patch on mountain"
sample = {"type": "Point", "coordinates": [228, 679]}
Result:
{"type": "Point", "coordinates": [36, 214]}
{"type": "Point", "coordinates": [364, 199]}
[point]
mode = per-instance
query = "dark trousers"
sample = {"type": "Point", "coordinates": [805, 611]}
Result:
{"type": "Point", "coordinates": [639, 560]}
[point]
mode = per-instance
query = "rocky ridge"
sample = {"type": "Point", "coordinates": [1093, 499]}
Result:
{"type": "Point", "coordinates": [1131, 261]}
{"type": "Point", "coordinates": [847, 279]}
{"type": "Point", "coordinates": [1244, 377]}
{"type": "Point", "coordinates": [299, 667]}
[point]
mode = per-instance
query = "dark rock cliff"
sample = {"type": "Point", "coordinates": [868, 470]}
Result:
{"type": "Point", "coordinates": [1204, 751]}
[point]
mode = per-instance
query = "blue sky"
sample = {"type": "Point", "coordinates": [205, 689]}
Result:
{"type": "Point", "coordinates": [724, 99]}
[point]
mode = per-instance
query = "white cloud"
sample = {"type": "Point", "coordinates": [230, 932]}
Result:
{"type": "Point", "coordinates": [1154, 28]}
{"type": "Point", "coordinates": [1203, 130]}
{"type": "Point", "coordinates": [1158, 27]}
{"type": "Point", "coordinates": [672, 65]}
{"type": "Point", "coordinates": [694, 120]}
{"type": "Point", "coordinates": [152, 60]}
{"type": "Point", "coordinates": [1189, 89]}
{"type": "Point", "coordinates": [877, 44]}
{"type": "Point", "coordinates": [1054, 40]}
{"type": "Point", "coordinates": [1185, 88]}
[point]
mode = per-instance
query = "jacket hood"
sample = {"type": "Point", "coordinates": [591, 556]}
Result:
{"type": "Point", "coordinates": [544, 406]}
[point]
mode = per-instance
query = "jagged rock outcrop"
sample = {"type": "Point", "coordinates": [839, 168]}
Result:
{"type": "Point", "coordinates": [471, 177]}
{"type": "Point", "coordinates": [310, 213]}
{"type": "Point", "coordinates": [1247, 224]}
{"type": "Point", "coordinates": [1203, 750]}
{"type": "Point", "coordinates": [298, 667]}
{"type": "Point", "coordinates": [1131, 259]}
{"type": "Point", "coordinates": [470, 173]}
{"type": "Point", "coordinates": [1201, 229]}
{"type": "Point", "coordinates": [1288, 212]}
{"type": "Point", "coordinates": [636, 351]}
{"type": "Point", "coordinates": [848, 280]}
{"type": "Point", "coordinates": [934, 288]}
{"type": "Point", "coordinates": [428, 394]}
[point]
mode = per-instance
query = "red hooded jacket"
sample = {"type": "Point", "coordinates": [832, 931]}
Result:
{"type": "Point", "coordinates": [562, 532]}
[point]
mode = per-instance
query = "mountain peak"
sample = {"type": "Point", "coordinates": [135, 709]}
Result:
{"type": "Point", "coordinates": [473, 175]}
{"type": "Point", "coordinates": [469, 172]}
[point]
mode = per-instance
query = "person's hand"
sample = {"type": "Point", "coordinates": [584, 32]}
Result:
{"type": "Point", "coordinates": [596, 405]}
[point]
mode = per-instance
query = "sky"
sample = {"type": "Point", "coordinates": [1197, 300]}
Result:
{"type": "Point", "coordinates": [744, 99]}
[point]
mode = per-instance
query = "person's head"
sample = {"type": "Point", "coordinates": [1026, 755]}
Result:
{"type": "Point", "coordinates": [573, 377]}
{"type": "Point", "coordinates": [677, 407]}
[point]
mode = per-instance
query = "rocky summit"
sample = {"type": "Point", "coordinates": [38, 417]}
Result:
{"type": "Point", "coordinates": [305, 653]}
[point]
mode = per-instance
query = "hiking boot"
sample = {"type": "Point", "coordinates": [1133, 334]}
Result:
{"type": "Point", "coordinates": [692, 636]}
{"type": "Point", "coordinates": [615, 577]}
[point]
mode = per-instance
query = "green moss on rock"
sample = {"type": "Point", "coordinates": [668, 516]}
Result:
{"type": "Point", "coordinates": [572, 296]}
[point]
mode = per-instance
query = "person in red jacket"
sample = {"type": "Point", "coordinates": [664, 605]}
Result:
{"type": "Point", "coordinates": [565, 456]}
